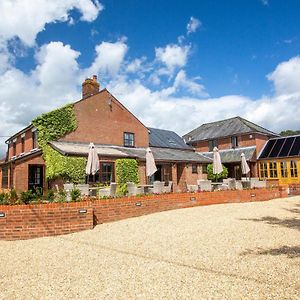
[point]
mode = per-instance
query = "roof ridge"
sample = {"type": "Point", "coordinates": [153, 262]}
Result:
{"type": "Point", "coordinates": [245, 121]}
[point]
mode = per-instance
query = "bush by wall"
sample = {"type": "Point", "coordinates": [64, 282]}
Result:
{"type": "Point", "coordinates": [216, 177]}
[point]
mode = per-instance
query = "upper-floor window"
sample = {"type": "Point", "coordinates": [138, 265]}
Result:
{"type": "Point", "coordinates": [22, 144]}
{"type": "Point", "coordinates": [34, 139]}
{"type": "Point", "coordinates": [128, 139]}
{"type": "Point", "coordinates": [14, 149]}
{"type": "Point", "coordinates": [212, 144]}
{"type": "Point", "coordinates": [234, 141]}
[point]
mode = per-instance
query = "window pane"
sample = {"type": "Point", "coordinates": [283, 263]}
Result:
{"type": "Point", "coordinates": [4, 177]}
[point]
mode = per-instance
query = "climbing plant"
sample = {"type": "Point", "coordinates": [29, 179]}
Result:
{"type": "Point", "coordinates": [126, 171]}
{"type": "Point", "coordinates": [52, 126]}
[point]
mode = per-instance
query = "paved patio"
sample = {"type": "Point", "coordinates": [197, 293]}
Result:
{"type": "Point", "coordinates": [232, 251]}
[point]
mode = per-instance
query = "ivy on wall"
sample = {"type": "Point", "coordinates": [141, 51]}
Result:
{"type": "Point", "coordinates": [126, 171]}
{"type": "Point", "coordinates": [52, 126]}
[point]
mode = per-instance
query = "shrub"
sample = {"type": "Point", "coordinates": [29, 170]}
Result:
{"type": "Point", "coordinates": [62, 196]}
{"type": "Point", "coordinates": [75, 195]}
{"type": "Point", "coordinates": [126, 171]}
{"type": "Point", "coordinates": [4, 198]}
{"type": "Point", "coordinates": [50, 196]}
{"type": "Point", "coordinates": [216, 177]}
{"type": "Point", "coordinates": [27, 197]}
{"type": "Point", "coordinates": [38, 192]}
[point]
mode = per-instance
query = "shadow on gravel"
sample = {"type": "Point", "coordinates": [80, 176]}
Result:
{"type": "Point", "coordinates": [293, 223]}
{"type": "Point", "coordinates": [290, 252]}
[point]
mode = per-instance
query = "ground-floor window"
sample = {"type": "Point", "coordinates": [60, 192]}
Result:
{"type": "Point", "coordinates": [4, 177]}
{"type": "Point", "coordinates": [204, 169]}
{"type": "Point", "coordinates": [105, 174]}
{"type": "Point", "coordinates": [263, 168]}
{"type": "Point", "coordinates": [273, 169]}
{"type": "Point", "coordinates": [283, 169]}
{"type": "Point", "coordinates": [293, 167]}
{"type": "Point", "coordinates": [194, 169]}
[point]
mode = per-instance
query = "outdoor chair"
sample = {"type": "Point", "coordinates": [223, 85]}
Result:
{"type": "Point", "coordinates": [204, 185]}
{"type": "Point", "coordinates": [256, 183]}
{"type": "Point", "coordinates": [238, 185]}
{"type": "Point", "coordinates": [231, 183]}
{"type": "Point", "coordinates": [68, 187]}
{"type": "Point", "coordinates": [109, 191]}
{"type": "Point", "coordinates": [192, 187]}
{"type": "Point", "coordinates": [133, 189]}
{"type": "Point", "coordinates": [158, 187]}
{"type": "Point", "coordinates": [168, 188]}
{"type": "Point", "coordinates": [84, 189]}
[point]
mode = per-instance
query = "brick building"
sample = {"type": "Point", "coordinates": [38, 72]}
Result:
{"type": "Point", "coordinates": [116, 133]}
{"type": "Point", "coordinates": [233, 137]}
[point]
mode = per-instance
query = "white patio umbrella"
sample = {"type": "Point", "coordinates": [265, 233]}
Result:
{"type": "Point", "coordinates": [245, 167]}
{"type": "Point", "coordinates": [150, 163]}
{"type": "Point", "coordinates": [92, 165]}
{"type": "Point", "coordinates": [217, 164]}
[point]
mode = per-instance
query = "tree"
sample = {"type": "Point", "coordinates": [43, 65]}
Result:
{"type": "Point", "coordinates": [289, 132]}
{"type": "Point", "coordinates": [216, 177]}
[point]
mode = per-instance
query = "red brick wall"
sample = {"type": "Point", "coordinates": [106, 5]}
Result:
{"type": "Point", "coordinates": [245, 140]}
{"type": "Point", "coordinates": [23, 222]}
{"type": "Point", "coordinates": [20, 177]}
{"type": "Point", "coordinates": [294, 189]}
{"type": "Point", "coordinates": [100, 123]}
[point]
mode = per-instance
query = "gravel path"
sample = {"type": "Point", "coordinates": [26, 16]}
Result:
{"type": "Point", "coordinates": [231, 251]}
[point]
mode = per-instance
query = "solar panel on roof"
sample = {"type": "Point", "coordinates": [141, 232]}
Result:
{"type": "Point", "coordinates": [286, 147]}
{"type": "Point", "coordinates": [267, 149]}
{"type": "Point", "coordinates": [296, 147]}
{"type": "Point", "coordinates": [276, 148]}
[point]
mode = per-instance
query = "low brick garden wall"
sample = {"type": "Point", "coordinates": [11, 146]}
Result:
{"type": "Point", "coordinates": [30, 221]}
{"type": "Point", "coordinates": [294, 189]}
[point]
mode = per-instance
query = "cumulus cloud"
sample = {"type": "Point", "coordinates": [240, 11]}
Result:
{"type": "Point", "coordinates": [173, 55]}
{"type": "Point", "coordinates": [286, 77]}
{"type": "Point", "coordinates": [26, 18]}
{"type": "Point", "coordinates": [109, 57]}
{"type": "Point", "coordinates": [193, 25]}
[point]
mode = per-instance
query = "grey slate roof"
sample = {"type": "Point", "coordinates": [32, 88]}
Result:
{"type": "Point", "coordinates": [166, 139]}
{"type": "Point", "coordinates": [224, 128]}
{"type": "Point", "coordinates": [160, 154]}
{"type": "Point", "coordinates": [233, 155]}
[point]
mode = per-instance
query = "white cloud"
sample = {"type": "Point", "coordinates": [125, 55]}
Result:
{"type": "Point", "coordinates": [109, 58]}
{"type": "Point", "coordinates": [26, 18]}
{"type": "Point", "coordinates": [264, 2]}
{"type": "Point", "coordinates": [173, 56]}
{"type": "Point", "coordinates": [193, 25]}
{"type": "Point", "coordinates": [286, 77]}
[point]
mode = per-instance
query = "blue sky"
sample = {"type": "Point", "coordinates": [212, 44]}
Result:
{"type": "Point", "coordinates": [175, 64]}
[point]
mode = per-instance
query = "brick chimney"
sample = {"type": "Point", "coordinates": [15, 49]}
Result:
{"type": "Point", "coordinates": [90, 87]}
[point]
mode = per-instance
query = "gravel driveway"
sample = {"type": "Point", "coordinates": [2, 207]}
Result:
{"type": "Point", "coordinates": [231, 251]}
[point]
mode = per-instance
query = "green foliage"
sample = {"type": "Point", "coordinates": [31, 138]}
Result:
{"type": "Point", "coordinates": [289, 132]}
{"type": "Point", "coordinates": [50, 196]}
{"type": "Point", "coordinates": [27, 197]}
{"type": "Point", "coordinates": [126, 171]}
{"type": "Point", "coordinates": [52, 126]}
{"type": "Point", "coordinates": [75, 195]}
{"type": "Point", "coordinates": [216, 177]}
{"type": "Point", "coordinates": [4, 199]}
{"type": "Point", "coordinates": [61, 197]}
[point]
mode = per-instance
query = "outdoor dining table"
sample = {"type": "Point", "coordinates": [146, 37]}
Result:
{"type": "Point", "coordinates": [95, 190]}
{"type": "Point", "coordinates": [216, 185]}
{"type": "Point", "coordinates": [145, 188]}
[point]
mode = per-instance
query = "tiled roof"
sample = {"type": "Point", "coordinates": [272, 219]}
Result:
{"type": "Point", "coordinates": [224, 128]}
{"type": "Point", "coordinates": [233, 155]}
{"type": "Point", "coordinates": [160, 154]}
{"type": "Point", "coordinates": [166, 139]}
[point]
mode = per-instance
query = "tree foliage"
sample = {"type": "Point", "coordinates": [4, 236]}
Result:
{"type": "Point", "coordinates": [289, 132]}
{"type": "Point", "coordinates": [216, 177]}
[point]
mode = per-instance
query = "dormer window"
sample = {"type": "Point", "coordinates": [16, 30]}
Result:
{"type": "Point", "coordinates": [128, 139]}
{"type": "Point", "coordinates": [234, 141]}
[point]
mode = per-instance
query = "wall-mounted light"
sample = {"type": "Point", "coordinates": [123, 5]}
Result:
{"type": "Point", "coordinates": [193, 199]}
{"type": "Point", "coordinates": [2, 214]}
{"type": "Point", "coordinates": [82, 211]}
{"type": "Point", "coordinates": [253, 195]}
{"type": "Point", "coordinates": [138, 204]}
